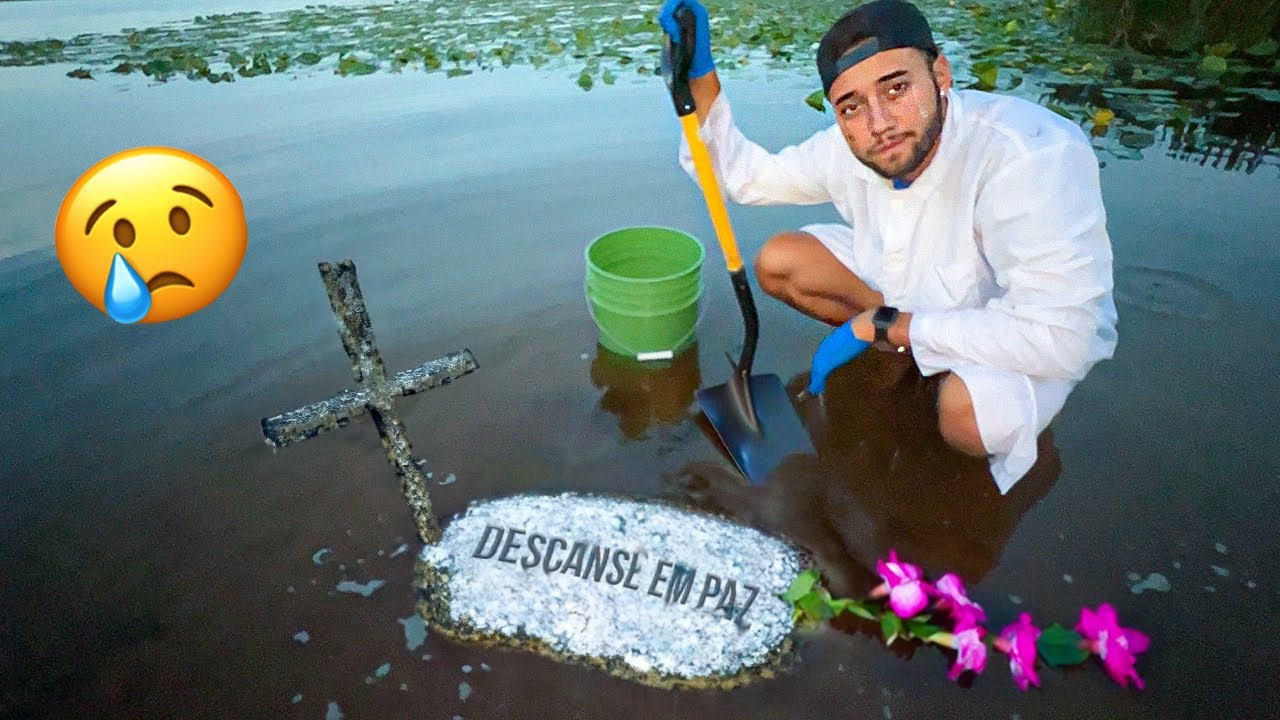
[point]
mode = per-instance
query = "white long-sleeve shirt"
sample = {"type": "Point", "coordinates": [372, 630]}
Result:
{"type": "Point", "coordinates": [999, 249]}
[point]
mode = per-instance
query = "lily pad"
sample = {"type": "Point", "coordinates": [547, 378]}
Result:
{"type": "Point", "coordinates": [352, 65]}
{"type": "Point", "coordinates": [1137, 139]}
{"type": "Point", "coordinates": [1213, 65]}
{"type": "Point", "coordinates": [1264, 48]}
{"type": "Point", "coordinates": [987, 73]}
{"type": "Point", "coordinates": [1221, 50]}
{"type": "Point", "coordinates": [817, 100]}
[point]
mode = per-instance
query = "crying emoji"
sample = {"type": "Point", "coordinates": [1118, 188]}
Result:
{"type": "Point", "coordinates": [151, 234]}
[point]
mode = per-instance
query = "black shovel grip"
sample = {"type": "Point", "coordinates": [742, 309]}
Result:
{"type": "Point", "coordinates": [679, 60]}
{"type": "Point", "coordinates": [742, 288]}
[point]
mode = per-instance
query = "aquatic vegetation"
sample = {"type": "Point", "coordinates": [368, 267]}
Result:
{"type": "Point", "coordinates": [1221, 99]}
{"type": "Point", "coordinates": [1026, 645]}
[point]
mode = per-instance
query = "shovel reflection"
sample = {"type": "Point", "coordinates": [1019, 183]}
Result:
{"type": "Point", "coordinates": [646, 394]}
{"type": "Point", "coordinates": [883, 478]}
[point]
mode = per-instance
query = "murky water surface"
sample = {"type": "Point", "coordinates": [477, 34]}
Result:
{"type": "Point", "coordinates": [161, 561]}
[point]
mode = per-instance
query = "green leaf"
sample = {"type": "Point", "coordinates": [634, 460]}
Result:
{"type": "Point", "coordinates": [992, 51]}
{"type": "Point", "coordinates": [1011, 26]}
{"type": "Point", "coordinates": [1264, 48]}
{"type": "Point", "coordinates": [1222, 49]}
{"type": "Point", "coordinates": [890, 626]}
{"type": "Point", "coordinates": [922, 630]}
{"type": "Point", "coordinates": [986, 73]}
{"type": "Point", "coordinates": [1060, 646]}
{"type": "Point", "coordinates": [352, 65]}
{"type": "Point", "coordinates": [308, 58]}
{"type": "Point", "coordinates": [814, 605]}
{"type": "Point", "coordinates": [1268, 94]}
{"type": "Point", "coordinates": [852, 606]}
{"type": "Point", "coordinates": [608, 77]}
{"type": "Point", "coordinates": [1213, 64]}
{"type": "Point", "coordinates": [584, 80]}
{"type": "Point", "coordinates": [800, 586]}
{"type": "Point", "coordinates": [1124, 153]}
{"type": "Point", "coordinates": [1060, 110]}
{"type": "Point", "coordinates": [817, 100]}
{"type": "Point", "coordinates": [1137, 139]}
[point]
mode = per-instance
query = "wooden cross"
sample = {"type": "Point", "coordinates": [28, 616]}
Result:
{"type": "Point", "coordinates": [374, 394]}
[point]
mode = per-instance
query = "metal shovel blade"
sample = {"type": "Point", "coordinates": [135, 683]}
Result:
{"type": "Point", "coordinates": [756, 450]}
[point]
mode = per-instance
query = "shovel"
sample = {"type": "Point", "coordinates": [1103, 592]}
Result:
{"type": "Point", "coordinates": [752, 414]}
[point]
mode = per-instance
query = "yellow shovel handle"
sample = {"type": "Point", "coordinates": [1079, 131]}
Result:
{"type": "Point", "coordinates": [711, 191]}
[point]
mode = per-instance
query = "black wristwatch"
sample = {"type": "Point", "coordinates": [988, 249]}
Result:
{"type": "Point", "coordinates": [884, 317]}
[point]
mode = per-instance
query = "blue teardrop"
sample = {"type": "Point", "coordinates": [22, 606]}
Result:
{"type": "Point", "coordinates": [127, 298]}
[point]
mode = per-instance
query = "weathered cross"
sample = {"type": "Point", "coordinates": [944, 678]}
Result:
{"type": "Point", "coordinates": [374, 395]}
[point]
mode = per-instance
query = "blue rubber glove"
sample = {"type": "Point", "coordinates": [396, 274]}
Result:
{"type": "Point", "coordinates": [838, 348]}
{"type": "Point", "coordinates": [702, 63]}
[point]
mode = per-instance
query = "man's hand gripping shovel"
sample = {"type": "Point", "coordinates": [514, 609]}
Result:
{"type": "Point", "coordinates": [752, 414]}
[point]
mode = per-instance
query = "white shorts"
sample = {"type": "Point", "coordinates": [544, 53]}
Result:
{"type": "Point", "coordinates": [1011, 409]}
{"type": "Point", "coordinates": [838, 239]}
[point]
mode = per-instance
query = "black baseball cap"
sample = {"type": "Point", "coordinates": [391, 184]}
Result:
{"type": "Point", "coordinates": [883, 24]}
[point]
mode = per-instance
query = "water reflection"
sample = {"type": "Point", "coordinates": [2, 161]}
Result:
{"type": "Point", "coordinates": [645, 394]}
{"type": "Point", "coordinates": [1231, 127]}
{"type": "Point", "coordinates": [882, 478]}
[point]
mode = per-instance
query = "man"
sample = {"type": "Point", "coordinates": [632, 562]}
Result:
{"type": "Point", "coordinates": [976, 236]}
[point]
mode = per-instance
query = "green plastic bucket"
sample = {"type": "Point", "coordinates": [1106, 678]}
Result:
{"type": "Point", "coordinates": [644, 286]}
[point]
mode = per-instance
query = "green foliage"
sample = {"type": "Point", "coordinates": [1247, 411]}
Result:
{"type": "Point", "coordinates": [812, 604]}
{"type": "Point", "coordinates": [1172, 27]}
{"type": "Point", "coordinates": [922, 630]}
{"type": "Point", "coordinates": [1213, 65]}
{"type": "Point", "coordinates": [1059, 646]}
{"type": "Point", "coordinates": [817, 100]}
{"type": "Point", "coordinates": [986, 73]}
{"type": "Point", "coordinates": [890, 627]}
{"type": "Point", "coordinates": [350, 65]}
{"type": "Point", "coordinates": [1265, 48]}
{"type": "Point", "coordinates": [1042, 49]}
{"type": "Point", "coordinates": [801, 586]}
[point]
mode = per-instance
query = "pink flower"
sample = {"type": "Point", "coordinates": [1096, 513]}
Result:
{"type": "Point", "coordinates": [1019, 641]}
{"type": "Point", "coordinates": [952, 597]}
{"type": "Point", "coordinates": [908, 594]}
{"type": "Point", "coordinates": [1116, 646]}
{"type": "Point", "coordinates": [971, 652]}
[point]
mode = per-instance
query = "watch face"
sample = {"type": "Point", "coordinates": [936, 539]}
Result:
{"type": "Point", "coordinates": [884, 316]}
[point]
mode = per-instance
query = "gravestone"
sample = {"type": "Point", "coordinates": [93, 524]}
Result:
{"type": "Point", "coordinates": [644, 590]}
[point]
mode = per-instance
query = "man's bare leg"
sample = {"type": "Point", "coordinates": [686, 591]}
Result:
{"type": "Point", "coordinates": [956, 419]}
{"type": "Point", "coordinates": [796, 268]}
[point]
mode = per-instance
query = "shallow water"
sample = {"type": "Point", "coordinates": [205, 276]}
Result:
{"type": "Point", "coordinates": [160, 556]}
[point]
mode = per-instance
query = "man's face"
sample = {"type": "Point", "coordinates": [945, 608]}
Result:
{"type": "Point", "coordinates": [890, 112]}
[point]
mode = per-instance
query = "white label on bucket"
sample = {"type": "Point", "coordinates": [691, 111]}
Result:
{"type": "Point", "coordinates": [658, 355]}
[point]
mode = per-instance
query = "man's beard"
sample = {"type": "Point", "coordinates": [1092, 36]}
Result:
{"type": "Point", "coordinates": [920, 149]}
